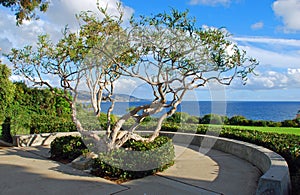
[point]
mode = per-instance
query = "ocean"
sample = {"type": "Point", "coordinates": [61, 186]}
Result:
{"type": "Point", "coordinates": [272, 111]}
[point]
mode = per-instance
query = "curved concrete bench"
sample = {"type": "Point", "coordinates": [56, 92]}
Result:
{"type": "Point", "coordinates": [275, 178]}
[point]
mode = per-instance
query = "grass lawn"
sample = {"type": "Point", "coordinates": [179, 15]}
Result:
{"type": "Point", "coordinates": [287, 130]}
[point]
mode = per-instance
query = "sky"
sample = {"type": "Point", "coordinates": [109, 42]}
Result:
{"type": "Point", "coordinates": [268, 30]}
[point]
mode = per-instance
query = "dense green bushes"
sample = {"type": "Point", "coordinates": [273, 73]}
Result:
{"type": "Point", "coordinates": [50, 124]}
{"type": "Point", "coordinates": [213, 119]}
{"type": "Point", "coordinates": [242, 121]}
{"type": "Point", "coordinates": [35, 124]}
{"type": "Point", "coordinates": [36, 110]}
{"type": "Point", "coordinates": [5, 131]}
{"type": "Point", "coordinates": [178, 117]}
{"type": "Point", "coordinates": [89, 121]}
{"type": "Point", "coordinates": [67, 148]}
{"type": "Point", "coordinates": [7, 90]}
{"type": "Point", "coordinates": [121, 164]}
{"type": "Point", "coordinates": [181, 117]}
{"type": "Point", "coordinates": [290, 123]}
{"type": "Point", "coordinates": [127, 163]}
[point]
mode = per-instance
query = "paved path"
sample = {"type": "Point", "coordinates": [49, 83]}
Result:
{"type": "Point", "coordinates": [28, 171]}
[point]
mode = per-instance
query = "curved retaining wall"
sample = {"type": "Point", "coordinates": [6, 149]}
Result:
{"type": "Point", "coordinates": [39, 139]}
{"type": "Point", "coordinates": [275, 179]}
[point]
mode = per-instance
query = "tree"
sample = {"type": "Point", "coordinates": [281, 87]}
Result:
{"type": "Point", "coordinates": [166, 51]}
{"type": "Point", "coordinates": [103, 40]}
{"type": "Point", "coordinates": [84, 56]}
{"type": "Point", "coordinates": [25, 9]}
{"type": "Point", "coordinates": [6, 90]}
{"type": "Point", "coordinates": [175, 56]}
{"type": "Point", "coordinates": [60, 60]}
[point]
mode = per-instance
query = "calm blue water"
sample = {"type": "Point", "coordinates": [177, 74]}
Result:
{"type": "Point", "coordinates": [274, 111]}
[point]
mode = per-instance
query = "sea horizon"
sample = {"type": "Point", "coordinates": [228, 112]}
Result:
{"type": "Point", "coordinates": [253, 110]}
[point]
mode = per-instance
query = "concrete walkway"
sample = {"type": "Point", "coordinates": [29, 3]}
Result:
{"type": "Point", "coordinates": [29, 171]}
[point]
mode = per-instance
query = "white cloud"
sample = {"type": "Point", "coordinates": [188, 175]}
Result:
{"type": "Point", "coordinates": [210, 2]}
{"type": "Point", "coordinates": [59, 14]}
{"type": "Point", "coordinates": [62, 12]}
{"type": "Point", "coordinates": [280, 53]}
{"type": "Point", "coordinates": [279, 63]}
{"type": "Point", "coordinates": [294, 76]}
{"type": "Point", "coordinates": [289, 11]}
{"type": "Point", "coordinates": [126, 85]}
{"type": "Point", "coordinates": [16, 78]}
{"type": "Point", "coordinates": [274, 41]}
{"type": "Point", "coordinates": [18, 36]}
{"type": "Point", "coordinates": [271, 58]}
{"type": "Point", "coordinates": [258, 25]}
{"type": "Point", "coordinates": [271, 80]}
{"type": "Point", "coordinates": [5, 43]}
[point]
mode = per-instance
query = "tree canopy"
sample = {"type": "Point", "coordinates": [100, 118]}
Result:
{"type": "Point", "coordinates": [166, 51]}
{"type": "Point", "coordinates": [25, 9]}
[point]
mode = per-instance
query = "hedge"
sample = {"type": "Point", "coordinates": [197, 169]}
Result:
{"type": "Point", "coordinates": [33, 124]}
{"type": "Point", "coordinates": [127, 163]}
{"type": "Point", "coordinates": [67, 148]}
{"type": "Point", "coordinates": [50, 124]}
{"type": "Point", "coordinates": [134, 160]}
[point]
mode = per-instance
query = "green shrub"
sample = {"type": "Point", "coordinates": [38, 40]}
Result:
{"type": "Point", "coordinates": [103, 120]}
{"type": "Point", "coordinates": [90, 122]}
{"type": "Point", "coordinates": [173, 127]}
{"type": "Point", "coordinates": [125, 163]}
{"type": "Point", "coordinates": [238, 120]}
{"type": "Point", "coordinates": [289, 123]}
{"type": "Point", "coordinates": [213, 119]}
{"type": "Point", "coordinates": [182, 127]}
{"type": "Point", "coordinates": [50, 124]}
{"type": "Point", "coordinates": [193, 120]}
{"type": "Point", "coordinates": [67, 148]}
{"type": "Point", "coordinates": [110, 164]}
{"type": "Point", "coordinates": [179, 117]}
{"type": "Point", "coordinates": [20, 122]}
{"type": "Point", "coordinates": [242, 121]}
{"type": "Point", "coordinates": [260, 123]}
{"type": "Point", "coordinates": [33, 124]}
{"type": "Point", "coordinates": [17, 125]}
{"type": "Point", "coordinates": [273, 124]}
{"type": "Point", "coordinates": [147, 119]}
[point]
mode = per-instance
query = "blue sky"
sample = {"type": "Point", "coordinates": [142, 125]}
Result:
{"type": "Point", "coordinates": [269, 30]}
